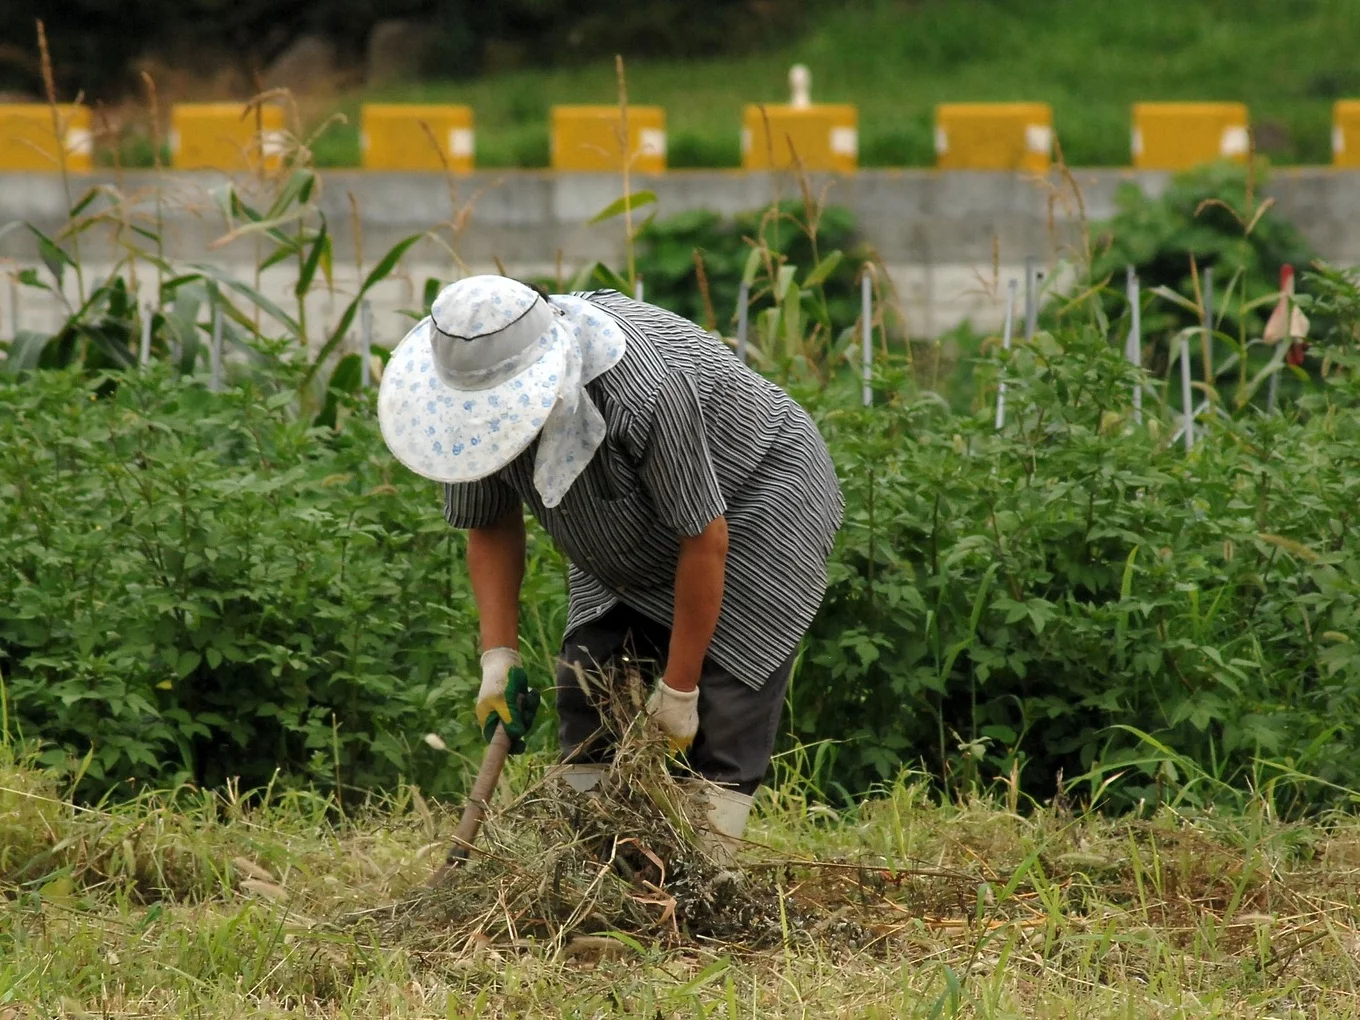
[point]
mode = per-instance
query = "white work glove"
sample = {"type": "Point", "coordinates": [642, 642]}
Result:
{"type": "Point", "coordinates": [676, 712]}
{"type": "Point", "coordinates": [496, 666]}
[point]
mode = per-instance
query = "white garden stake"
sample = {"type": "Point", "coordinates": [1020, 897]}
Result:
{"type": "Point", "coordinates": [1011, 288]}
{"type": "Point", "coordinates": [1031, 299]}
{"type": "Point", "coordinates": [638, 290]}
{"type": "Point", "coordinates": [866, 301]}
{"type": "Point", "coordinates": [365, 341]}
{"type": "Point", "coordinates": [215, 353]}
{"type": "Point", "coordinates": [1186, 399]}
{"type": "Point", "coordinates": [144, 353]}
{"type": "Point", "coordinates": [1207, 405]}
{"type": "Point", "coordinates": [743, 311]}
{"type": "Point", "coordinates": [1209, 326]}
{"type": "Point", "coordinates": [1133, 346]}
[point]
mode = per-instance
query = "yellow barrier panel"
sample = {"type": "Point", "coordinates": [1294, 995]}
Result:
{"type": "Point", "coordinates": [222, 136]}
{"type": "Point", "coordinates": [586, 138]}
{"type": "Point", "coordinates": [1346, 133]}
{"type": "Point", "coordinates": [1178, 136]}
{"type": "Point", "coordinates": [994, 136]}
{"type": "Point", "coordinates": [29, 142]}
{"type": "Point", "coordinates": [824, 137]}
{"type": "Point", "coordinates": [394, 136]}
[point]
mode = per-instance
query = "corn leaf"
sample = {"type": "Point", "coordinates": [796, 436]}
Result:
{"type": "Point", "coordinates": [608, 278]}
{"type": "Point", "coordinates": [624, 203]}
{"type": "Point", "coordinates": [379, 273]}
{"type": "Point", "coordinates": [53, 257]}
{"type": "Point", "coordinates": [822, 270]}
{"type": "Point", "coordinates": [748, 273]}
{"type": "Point", "coordinates": [23, 352]}
{"type": "Point", "coordinates": [261, 302]}
{"type": "Point", "coordinates": [320, 250]}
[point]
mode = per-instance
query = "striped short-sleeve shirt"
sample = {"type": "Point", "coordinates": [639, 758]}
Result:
{"type": "Point", "coordinates": [692, 434]}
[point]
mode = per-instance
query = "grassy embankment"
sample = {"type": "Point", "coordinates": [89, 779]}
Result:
{"type": "Point", "coordinates": [896, 61]}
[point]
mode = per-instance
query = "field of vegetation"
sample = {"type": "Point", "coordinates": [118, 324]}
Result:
{"type": "Point", "coordinates": [1071, 735]}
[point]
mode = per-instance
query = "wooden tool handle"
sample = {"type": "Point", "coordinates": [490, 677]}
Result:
{"type": "Point", "coordinates": [482, 789]}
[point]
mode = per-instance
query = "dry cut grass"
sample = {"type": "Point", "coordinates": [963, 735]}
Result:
{"type": "Point", "coordinates": [216, 905]}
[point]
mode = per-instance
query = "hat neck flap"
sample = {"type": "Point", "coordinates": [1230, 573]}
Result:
{"type": "Point", "coordinates": [575, 429]}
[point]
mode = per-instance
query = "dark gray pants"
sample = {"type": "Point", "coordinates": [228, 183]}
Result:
{"type": "Point", "coordinates": [737, 725]}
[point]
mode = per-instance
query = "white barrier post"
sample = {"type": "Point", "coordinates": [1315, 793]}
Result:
{"type": "Point", "coordinates": [13, 308]}
{"type": "Point", "coordinates": [1209, 326]}
{"type": "Point", "coordinates": [743, 312]}
{"type": "Point", "coordinates": [1187, 403]}
{"type": "Point", "coordinates": [639, 291]}
{"type": "Point", "coordinates": [144, 352]}
{"type": "Point", "coordinates": [215, 353]}
{"type": "Point", "coordinates": [1206, 404]}
{"type": "Point", "coordinates": [866, 302]}
{"type": "Point", "coordinates": [1133, 346]}
{"type": "Point", "coordinates": [1011, 288]}
{"type": "Point", "coordinates": [1031, 299]}
{"type": "Point", "coordinates": [365, 341]}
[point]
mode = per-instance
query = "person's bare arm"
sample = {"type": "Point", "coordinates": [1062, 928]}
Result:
{"type": "Point", "coordinates": [699, 577]}
{"type": "Point", "coordinates": [495, 558]}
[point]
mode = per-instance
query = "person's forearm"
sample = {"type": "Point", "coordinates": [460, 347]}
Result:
{"type": "Point", "coordinates": [699, 576]}
{"type": "Point", "coordinates": [495, 558]}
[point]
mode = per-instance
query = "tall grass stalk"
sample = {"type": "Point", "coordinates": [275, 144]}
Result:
{"type": "Point", "coordinates": [626, 157]}
{"type": "Point", "coordinates": [59, 126]}
{"type": "Point", "coordinates": [4, 710]}
{"type": "Point", "coordinates": [158, 229]}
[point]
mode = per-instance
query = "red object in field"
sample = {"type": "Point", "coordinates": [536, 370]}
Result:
{"type": "Point", "coordinates": [1287, 321]}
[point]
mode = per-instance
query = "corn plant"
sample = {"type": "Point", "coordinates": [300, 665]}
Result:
{"type": "Point", "coordinates": [103, 328]}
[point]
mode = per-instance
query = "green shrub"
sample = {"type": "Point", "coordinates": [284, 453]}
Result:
{"type": "Point", "coordinates": [910, 142]}
{"type": "Point", "coordinates": [201, 586]}
{"type": "Point", "coordinates": [691, 149]}
{"type": "Point", "coordinates": [1043, 596]}
{"type": "Point", "coordinates": [205, 586]}
{"type": "Point", "coordinates": [96, 43]}
{"type": "Point", "coordinates": [1213, 218]}
{"type": "Point", "coordinates": [666, 260]}
{"type": "Point", "coordinates": [1203, 214]}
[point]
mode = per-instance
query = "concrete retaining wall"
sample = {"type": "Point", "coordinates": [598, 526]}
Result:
{"type": "Point", "coordinates": [947, 238]}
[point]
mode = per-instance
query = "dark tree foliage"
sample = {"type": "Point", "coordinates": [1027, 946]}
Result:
{"type": "Point", "coordinates": [95, 43]}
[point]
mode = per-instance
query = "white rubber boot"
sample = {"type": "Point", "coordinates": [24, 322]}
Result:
{"type": "Point", "coordinates": [726, 817]}
{"type": "Point", "coordinates": [582, 778]}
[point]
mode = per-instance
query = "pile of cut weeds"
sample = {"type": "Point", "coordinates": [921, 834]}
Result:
{"type": "Point", "coordinates": [626, 857]}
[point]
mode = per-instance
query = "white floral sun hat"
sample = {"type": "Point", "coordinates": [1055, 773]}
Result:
{"type": "Point", "coordinates": [494, 365]}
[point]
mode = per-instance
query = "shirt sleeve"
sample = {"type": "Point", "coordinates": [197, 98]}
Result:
{"type": "Point", "coordinates": [676, 468]}
{"type": "Point", "coordinates": [478, 504]}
